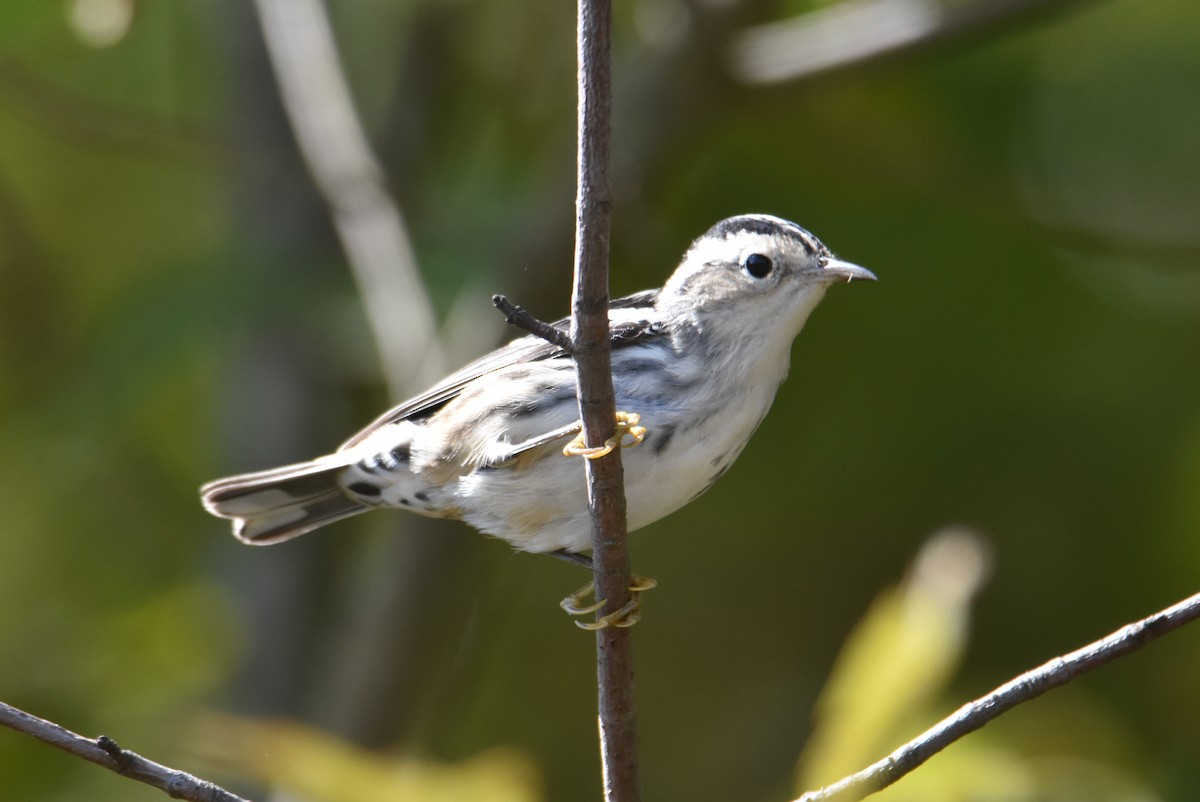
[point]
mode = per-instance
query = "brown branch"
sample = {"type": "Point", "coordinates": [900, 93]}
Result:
{"type": "Point", "coordinates": [597, 402]}
{"type": "Point", "coordinates": [104, 752]}
{"type": "Point", "coordinates": [517, 316]}
{"type": "Point", "coordinates": [1029, 685]}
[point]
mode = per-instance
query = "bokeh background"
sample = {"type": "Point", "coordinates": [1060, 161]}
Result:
{"type": "Point", "coordinates": [176, 305]}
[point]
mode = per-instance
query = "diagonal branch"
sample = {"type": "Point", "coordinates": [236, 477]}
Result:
{"type": "Point", "coordinates": [519, 317]}
{"type": "Point", "coordinates": [368, 220]}
{"type": "Point", "coordinates": [853, 32]}
{"type": "Point", "coordinates": [1029, 685]}
{"type": "Point", "coordinates": [104, 752]}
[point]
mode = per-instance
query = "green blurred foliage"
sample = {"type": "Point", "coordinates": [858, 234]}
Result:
{"type": "Point", "coordinates": [883, 688]}
{"type": "Point", "coordinates": [174, 306]}
{"type": "Point", "coordinates": [308, 764]}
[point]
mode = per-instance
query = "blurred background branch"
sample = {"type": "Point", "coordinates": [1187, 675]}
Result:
{"type": "Point", "coordinates": [853, 32]}
{"type": "Point", "coordinates": [380, 612]}
{"type": "Point", "coordinates": [367, 218]}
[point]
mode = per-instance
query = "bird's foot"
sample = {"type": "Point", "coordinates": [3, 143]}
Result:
{"type": "Point", "coordinates": [628, 426]}
{"type": "Point", "coordinates": [627, 616]}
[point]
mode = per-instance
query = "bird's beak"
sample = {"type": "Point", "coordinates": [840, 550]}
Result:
{"type": "Point", "coordinates": [837, 270]}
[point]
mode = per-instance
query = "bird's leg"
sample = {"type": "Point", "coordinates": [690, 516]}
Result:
{"type": "Point", "coordinates": [627, 426]}
{"type": "Point", "coordinates": [572, 603]}
{"type": "Point", "coordinates": [575, 604]}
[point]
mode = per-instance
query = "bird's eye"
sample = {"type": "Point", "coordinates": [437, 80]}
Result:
{"type": "Point", "coordinates": [757, 265]}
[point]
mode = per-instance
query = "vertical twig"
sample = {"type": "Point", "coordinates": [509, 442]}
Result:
{"type": "Point", "coordinates": [597, 404]}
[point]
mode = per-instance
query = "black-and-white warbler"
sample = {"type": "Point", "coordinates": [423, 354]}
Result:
{"type": "Point", "coordinates": [699, 360]}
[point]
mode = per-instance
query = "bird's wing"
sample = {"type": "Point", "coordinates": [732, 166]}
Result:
{"type": "Point", "coordinates": [526, 349]}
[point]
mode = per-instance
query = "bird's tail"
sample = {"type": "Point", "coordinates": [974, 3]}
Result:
{"type": "Point", "coordinates": [275, 505]}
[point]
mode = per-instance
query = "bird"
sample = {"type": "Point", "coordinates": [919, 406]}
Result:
{"type": "Point", "coordinates": [696, 365]}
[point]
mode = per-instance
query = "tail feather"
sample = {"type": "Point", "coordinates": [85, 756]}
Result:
{"type": "Point", "coordinates": [275, 505]}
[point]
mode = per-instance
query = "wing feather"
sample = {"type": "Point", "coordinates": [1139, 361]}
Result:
{"type": "Point", "coordinates": [523, 350]}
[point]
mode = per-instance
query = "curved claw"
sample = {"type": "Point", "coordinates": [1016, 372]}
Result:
{"type": "Point", "coordinates": [642, 583]}
{"type": "Point", "coordinates": [627, 424]}
{"type": "Point", "coordinates": [573, 603]}
{"type": "Point", "coordinates": [627, 616]}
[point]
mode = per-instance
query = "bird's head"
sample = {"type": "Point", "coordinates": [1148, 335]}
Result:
{"type": "Point", "coordinates": [759, 266]}
{"type": "Point", "coordinates": [748, 284]}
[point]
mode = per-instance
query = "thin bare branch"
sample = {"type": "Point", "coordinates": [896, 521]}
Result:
{"type": "Point", "coordinates": [517, 316]}
{"type": "Point", "coordinates": [597, 401]}
{"type": "Point", "coordinates": [104, 752]}
{"type": "Point", "coordinates": [1029, 685]}
{"type": "Point", "coordinates": [368, 220]}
